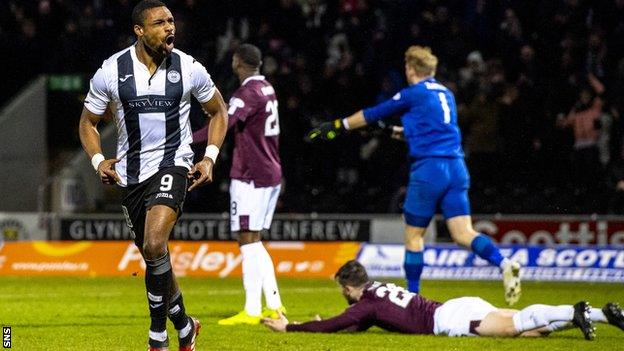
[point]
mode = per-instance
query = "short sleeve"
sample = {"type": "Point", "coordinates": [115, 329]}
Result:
{"type": "Point", "coordinates": [98, 97]}
{"type": "Point", "coordinates": [203, 87]}
{"type": "Point", "coordinates": [397, 104]}
{"type": "Point", "coordinates": [241, 106]}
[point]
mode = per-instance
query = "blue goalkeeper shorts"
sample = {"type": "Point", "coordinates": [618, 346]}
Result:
{"type": "Point", "coordinates": [436, 182]}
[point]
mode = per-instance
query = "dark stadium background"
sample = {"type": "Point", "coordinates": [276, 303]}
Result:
{"type": "Point", "coordinates": [516, 67]}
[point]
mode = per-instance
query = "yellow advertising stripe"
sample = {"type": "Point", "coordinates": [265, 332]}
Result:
{"type": "Point", "coordinates": [58, 250]}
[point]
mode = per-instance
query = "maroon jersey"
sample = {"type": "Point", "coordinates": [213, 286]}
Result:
{"type": "Point", "coordinates": [253, 113]}
{"type": "Point", "coordinates": [387, 306]}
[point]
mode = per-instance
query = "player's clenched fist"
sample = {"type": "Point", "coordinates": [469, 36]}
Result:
{"type": "Point", "coordinates": [106, 171]}
{"type": "Point", "coordinates": [201, 173]}
{"type": "Point", "coordinates": [326, 131]}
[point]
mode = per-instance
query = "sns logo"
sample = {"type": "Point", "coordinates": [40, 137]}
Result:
{"type": "Point", "coordinates": [6, 337]}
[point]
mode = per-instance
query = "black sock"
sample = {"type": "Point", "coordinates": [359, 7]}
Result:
{"type": "Point", "coordinates": [158, 280]}
{"type": "Point", "coordinates": [177, 313]}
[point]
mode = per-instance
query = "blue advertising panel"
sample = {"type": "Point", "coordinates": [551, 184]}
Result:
{"type": "Point", "coordinates": [569, 263]}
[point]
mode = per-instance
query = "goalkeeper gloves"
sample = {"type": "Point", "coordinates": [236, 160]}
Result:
{"type": "Point", "coordinates": [326, 131]}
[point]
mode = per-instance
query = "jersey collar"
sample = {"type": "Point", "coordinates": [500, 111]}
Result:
{"type": "Point", "coordinates": [134, 56]}
{"type": "Point", "coordinates": [258, 77]}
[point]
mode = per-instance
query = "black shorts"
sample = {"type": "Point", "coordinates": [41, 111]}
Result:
{"type": "Point", "coordinates": [166, 187]}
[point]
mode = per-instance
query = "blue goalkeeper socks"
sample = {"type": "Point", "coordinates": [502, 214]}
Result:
{"type": "Point", "coordinates": [483, 246]}
{"type": "Point", "coordinates": [413, 265]}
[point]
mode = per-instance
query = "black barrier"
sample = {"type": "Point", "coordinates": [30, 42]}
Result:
{"type": "Point", "coordinates": [283, 228]}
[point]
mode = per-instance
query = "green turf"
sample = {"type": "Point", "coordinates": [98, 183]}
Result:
{"type": "Point", "coordinates": [111, 314]}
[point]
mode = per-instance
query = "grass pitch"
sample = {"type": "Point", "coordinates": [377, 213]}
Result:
{"type": "Point", "coordinates": [111, 314]}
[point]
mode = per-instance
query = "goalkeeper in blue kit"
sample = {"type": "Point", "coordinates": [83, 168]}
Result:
{"type": "Point", "coordinates": [438, 174]}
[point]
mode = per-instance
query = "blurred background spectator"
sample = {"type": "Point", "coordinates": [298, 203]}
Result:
{"type": "Point", "coordinates": [539, 88]}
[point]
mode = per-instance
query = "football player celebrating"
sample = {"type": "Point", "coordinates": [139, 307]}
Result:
{"type": "Point", "coordinates": [148, 88]}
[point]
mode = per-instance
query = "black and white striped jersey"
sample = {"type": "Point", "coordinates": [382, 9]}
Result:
{"type": "Point", "coordinates": [151, 111]}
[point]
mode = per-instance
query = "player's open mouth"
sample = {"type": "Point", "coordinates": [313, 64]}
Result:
{"type": "Point", "coordinates": [169, 42]}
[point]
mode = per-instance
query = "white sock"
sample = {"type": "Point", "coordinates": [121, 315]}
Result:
{"type": "Point", "coordinates": [596, 315]}
{"type": "Point", "coordinates": [158, 336]}
{"type": "Point", "coordinates": [182, 333]}
{"type": "Point", "coordinates": [252, 278]}
{"type": "Point", "coordinates": [559, 325]}
{"type": "Point", "coordinates": [269, 283]}
{"type": "Point", "coordinates": [537, 316]}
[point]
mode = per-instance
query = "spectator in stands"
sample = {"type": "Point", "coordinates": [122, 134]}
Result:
{"type": "Point", "coordinates": [584, 119]}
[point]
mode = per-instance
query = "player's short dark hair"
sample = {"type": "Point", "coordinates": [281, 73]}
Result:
{"type": "Point", "coordinates": [352, 273]}
{"type": "Point", "coordinates": [249, 54]}
{"type": "Point", "coordinates": [138, 13]}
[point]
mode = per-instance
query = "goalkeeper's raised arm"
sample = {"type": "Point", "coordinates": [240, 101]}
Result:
{"type": "Point", "coordinates": [362, 118]}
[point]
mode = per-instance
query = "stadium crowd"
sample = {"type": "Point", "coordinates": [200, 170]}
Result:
{"type": "Point", "coordinates": [539, 88]}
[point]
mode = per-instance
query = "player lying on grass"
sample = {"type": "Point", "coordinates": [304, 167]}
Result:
{"type": "Point", "coordinates": [395, 309]}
